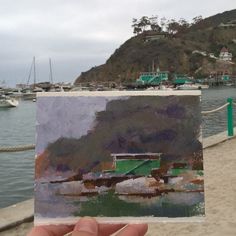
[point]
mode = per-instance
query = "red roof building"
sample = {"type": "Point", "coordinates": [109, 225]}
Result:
{"type": "Point", "coordinates": [225, 55]}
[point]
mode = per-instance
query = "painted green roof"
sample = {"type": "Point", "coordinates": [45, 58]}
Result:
{"type": "Point", "coordinates": [153, 78]}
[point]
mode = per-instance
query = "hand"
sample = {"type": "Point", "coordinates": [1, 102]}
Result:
{"type": "Point", "coordinates": [89, 227]}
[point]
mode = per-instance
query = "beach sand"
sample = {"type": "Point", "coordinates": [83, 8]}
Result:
{"type": "Point", "coordinates": [220, 199]}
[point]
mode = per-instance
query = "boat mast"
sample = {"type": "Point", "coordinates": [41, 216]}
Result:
{"type": "Point", "coordinates": [50, 66]}
{"type": "Point", "coordinates": [28, 80]}
{"type": "Point", "coordinates": [34, 72]}
{"type": "Point", "coordinates": [153, 66]}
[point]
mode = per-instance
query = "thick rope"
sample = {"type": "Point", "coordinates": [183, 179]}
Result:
{"type": "Point", "coordinates": [17, 148]}
{"type": "Point", "coordinates": [215, 110]}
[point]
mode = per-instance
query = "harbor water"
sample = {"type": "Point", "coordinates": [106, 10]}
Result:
{"type": "Point", "coordinates": [17, 127]}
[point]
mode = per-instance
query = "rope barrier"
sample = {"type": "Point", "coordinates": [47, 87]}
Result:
{"type": "Point", "coordinates": [17, 148]}
{"type": "Point", "coordinates": [215, 110]}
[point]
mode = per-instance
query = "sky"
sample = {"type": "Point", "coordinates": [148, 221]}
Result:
{"type": "Point", "coordinates": [77, 34]}
{"type": "Point", "coordinates": [57, 117]}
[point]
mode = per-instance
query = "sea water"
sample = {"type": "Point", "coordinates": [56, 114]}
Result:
{"type": "Point", "coordinates": [17, 127]}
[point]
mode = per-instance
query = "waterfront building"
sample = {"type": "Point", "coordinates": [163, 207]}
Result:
{"type": "Point", "coordinates": [152, 78]}
{"type": "Point", "coordinates": [225, 55]}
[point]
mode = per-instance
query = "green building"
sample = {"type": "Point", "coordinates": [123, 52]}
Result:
{"type": "Point", "coordinates": [152, 78]}
{"type": "Point", "coordinates": [225, 77]}
{"type": "Point", "coordinates": [180, 79]}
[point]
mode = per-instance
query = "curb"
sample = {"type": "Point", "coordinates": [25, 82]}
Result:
{"type": "Point", "coordinates": [16, 214]}
{"type": "Point", "coordinates": [217, 139]}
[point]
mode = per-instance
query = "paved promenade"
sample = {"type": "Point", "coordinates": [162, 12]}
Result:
{"type": "Point", "coordinates": [220, 198]}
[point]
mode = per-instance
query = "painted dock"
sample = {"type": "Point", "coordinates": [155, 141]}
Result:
{"type": "Point", "coordinates": [220, 199]}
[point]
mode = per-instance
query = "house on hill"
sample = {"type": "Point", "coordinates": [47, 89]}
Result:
{"type": "Point", "coordinates": [225, 55]}
{"type": "Point", "coordinates": [154, 35]}
{"type": "Point", "coordinates": [229, 24]}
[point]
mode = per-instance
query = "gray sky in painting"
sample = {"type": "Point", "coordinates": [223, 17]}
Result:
{"type": "Point", "coordinates": [77, 34]}
{"type": "Point", "coordinates": [70, 117]}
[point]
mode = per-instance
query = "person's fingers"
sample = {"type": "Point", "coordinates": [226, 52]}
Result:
{"type": "Point", "coordinates": [50, 230]}
{"type": "Point", "coordinates": [134, 230]}
{"type": "Point", "coordinates": [108, 229]}
{"type": "Point", "coordinates": [86, 226]}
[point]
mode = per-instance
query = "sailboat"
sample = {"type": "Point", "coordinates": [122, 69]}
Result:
{"type": "Point", "coordinates": [28, 93]}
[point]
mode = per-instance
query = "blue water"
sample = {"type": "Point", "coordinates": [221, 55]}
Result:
{"type": "Point", "coordinates": [17, 126]}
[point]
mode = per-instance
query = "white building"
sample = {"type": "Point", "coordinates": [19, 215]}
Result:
{"type": "Point", "coordinates": [225, 55]}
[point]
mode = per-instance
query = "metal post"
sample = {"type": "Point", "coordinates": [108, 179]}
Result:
{"type": "Point", "coordinates": [230, 117]}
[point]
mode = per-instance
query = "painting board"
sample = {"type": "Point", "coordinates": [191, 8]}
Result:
{"type": "Point", "coordinates": [119, 156]}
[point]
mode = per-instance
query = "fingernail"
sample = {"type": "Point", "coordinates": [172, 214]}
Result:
{"type": "Point", "coordinates": [88, 225]}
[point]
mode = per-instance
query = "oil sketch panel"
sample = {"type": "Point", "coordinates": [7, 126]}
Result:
{"type": "Point", "coordinates": [118, 155]}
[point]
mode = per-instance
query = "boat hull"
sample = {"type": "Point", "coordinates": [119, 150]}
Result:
{"type": "Point", "coordinates": [188, 87]}
{"type": "Point", "coordinates": [28, 96]}
{"type": "Point", "coordinates": [9, 103]}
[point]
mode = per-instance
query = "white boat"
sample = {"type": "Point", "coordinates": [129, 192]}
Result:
{"type": "Point", "coordinates": [202, 86]}
{"type": "Point", "coordinates": [192, 86]}
{"type": "Point", "coordinates": [6, 101]}
{"type": "Point", "coordinates": [188, 86]}
{"type": "Point", "coordinates": [164, 87]}
{"type": "Point", "coordinates": [229, 84]}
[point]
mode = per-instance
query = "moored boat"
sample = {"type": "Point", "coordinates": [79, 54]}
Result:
{"type": "Point", "coordinates": [6, 101]}
{"type": "Point", "coordinates": [192, 86]}
{"type": "Point", "coordinates": [202, 86]}
{"type": "Point", "coordinates": [188, 86]}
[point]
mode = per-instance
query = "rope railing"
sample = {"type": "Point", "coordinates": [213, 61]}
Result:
{"type": "Point", "coordinates": [230, 123]}
{"type": "Point", "coordinates": [17, 148]}
{"type": "Point", "coordinates": [215, 110]}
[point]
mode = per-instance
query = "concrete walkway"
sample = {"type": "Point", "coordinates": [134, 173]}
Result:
{"type": "Point", "coordinates": [220, 198]}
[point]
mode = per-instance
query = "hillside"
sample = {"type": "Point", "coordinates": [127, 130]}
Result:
{"type": "Point", "coordinates": [172, 53]}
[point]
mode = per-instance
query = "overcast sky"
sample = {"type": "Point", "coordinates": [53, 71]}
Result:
{"type": "Point", "coordinates": [78, 34]}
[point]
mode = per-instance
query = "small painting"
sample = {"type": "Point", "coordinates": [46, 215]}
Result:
{"type": "Point", "coordinates": [120, 156]}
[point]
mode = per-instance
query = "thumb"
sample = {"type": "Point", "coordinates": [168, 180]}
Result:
{"type": "Point", "coordinates": [86, 226]}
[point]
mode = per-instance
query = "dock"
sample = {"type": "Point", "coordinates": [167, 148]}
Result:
{"type": "Point", "coordinates": [220, 199]}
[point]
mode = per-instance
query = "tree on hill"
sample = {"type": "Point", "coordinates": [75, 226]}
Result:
{"type": "Point", "coordinates": [136, 27]}
{"type": "Point", "coordinates": [145, 23]}
{"type": "Point", "coordinates": [154, 24]}
{"type": "Point", "coordinates": [183, 25]}
{"type": "Point", "coordinates": [171, 26]}
{"type": "Point", "coordinates": [197, 20]}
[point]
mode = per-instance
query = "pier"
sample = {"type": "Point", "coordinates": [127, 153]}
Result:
{"type": "Point", "coordinates": [220, 199]}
